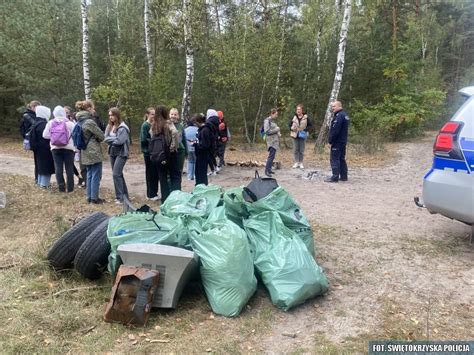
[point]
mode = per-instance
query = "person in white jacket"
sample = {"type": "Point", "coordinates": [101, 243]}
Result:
{"type": "Point", "coordinates": [59, 132]}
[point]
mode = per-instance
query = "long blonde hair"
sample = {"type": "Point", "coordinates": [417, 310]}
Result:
{"type": "Point", "coordinates": [147, 112]}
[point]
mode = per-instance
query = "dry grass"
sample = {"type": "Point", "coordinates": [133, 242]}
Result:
{"type": "Point", "coordinates": [34, 320]}
{"type": "Point", "coordinates": [235, 151]}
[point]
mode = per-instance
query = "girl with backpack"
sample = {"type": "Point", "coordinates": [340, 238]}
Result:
{"type": "Point", "coordinates": [163, 152]}
{"type": "Point", "coordinates": [117, 136]}
{"type": "Point", "coordinates": [59, 132]}
{"type": "Point", "coordinates": [40, 147]}
{"type": "Point", "coordinates": [91, 154]}
{"type": "Point", "coordinates": [272, 133]}
{"type": "Point", "coordinates": [151, 172]}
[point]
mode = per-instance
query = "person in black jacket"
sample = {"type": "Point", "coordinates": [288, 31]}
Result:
{"type": "Point", "coordinates": [213, 119]}
{"type": "Point", "coordinates": [205, 144]}
{"type": "Point", "coordinates": [28, 119]}
{"type": "Point", "coordinates": [41, 147]}
{"type": "Point", "coordinates": [338, 140]}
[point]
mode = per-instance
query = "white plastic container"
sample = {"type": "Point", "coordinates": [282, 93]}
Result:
{"type": "Point", "coordinates": [3, 200]}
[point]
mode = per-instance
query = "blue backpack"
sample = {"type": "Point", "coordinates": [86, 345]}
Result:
{"type": "Point", "coordinates": [262, 132]}
{"type": "Point", "coordinates": [78, 137]}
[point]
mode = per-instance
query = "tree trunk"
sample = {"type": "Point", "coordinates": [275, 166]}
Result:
{"type": "Point", "coordinates": [146, 16]}
{"type": "Point", "coordinates": [323, 133]}
{"type": "Point", "coordinates": [188, 83]}
{"type": "Point", "coordinates": [85, 50]}
{"type": "Point", "coordinates": [394, 24]}
{"type": "Point", "coordinates": [218, 20]}
{"type": "Point", "coordinates": [118, 18]}
{"type": "Point", "coordinates": [318, 53]}
{"type": "Point", "coordinates": [109, 52]}
{"type": "Point", "coordinates": [280, 58]}
{"type": "Point", "coordinates": [259, 111]}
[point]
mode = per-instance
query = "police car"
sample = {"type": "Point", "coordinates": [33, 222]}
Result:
{"type": "Point", "coordinates": [448, 187]}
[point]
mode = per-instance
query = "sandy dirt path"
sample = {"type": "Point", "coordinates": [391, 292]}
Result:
{"type": "Point", "coordinates": [391, 264]}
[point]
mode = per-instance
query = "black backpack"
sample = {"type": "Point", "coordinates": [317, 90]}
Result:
{"type": "Point", "coordinates": [259, 188]}
{"type": "Point", "coordinates": [159, 150]}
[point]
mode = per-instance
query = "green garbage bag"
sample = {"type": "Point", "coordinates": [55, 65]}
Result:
{"type": "Point", "coordinates": [140, 227]}
{"type": "Point", "coordinates": [212, 194]}
{"type": "Point", "coordinates": [181, 203]}
{"type": "Point", "coordinates": [282, 260]}
{"type": "Point", "coordinates": [280, 200]}
{"type": "Point", "coordinates": [235, 208]}
{"type": "Point", "coordinates": [227, 270]}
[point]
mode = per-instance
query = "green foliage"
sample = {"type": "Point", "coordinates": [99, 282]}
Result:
{"type": "Point", "coordinates": [397, 117]}
{"type": "Point", "coordinates": [123, 89]}
{"type": "Point", "coordinates": [240, 59]}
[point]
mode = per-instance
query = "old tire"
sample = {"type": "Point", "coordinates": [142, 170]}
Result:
{"type": "Point", "coordinates": [92, 257]}
{"type": "Point", "coordinates": [62, 253]}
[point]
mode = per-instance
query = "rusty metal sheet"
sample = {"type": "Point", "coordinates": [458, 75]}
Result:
{"type": "Point", "coordinates": [132, 295]}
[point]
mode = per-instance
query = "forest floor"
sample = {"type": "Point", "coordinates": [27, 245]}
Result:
{"type": "Point", "coordinates": [396, 272]}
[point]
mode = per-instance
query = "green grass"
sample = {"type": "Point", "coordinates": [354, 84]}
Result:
{"type": "Point", "coordinates": [45, 311]}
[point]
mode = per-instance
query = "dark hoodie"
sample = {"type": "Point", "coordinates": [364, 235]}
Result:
{"type": "Point", "coordinates": [213, 121]}
{"type": "Point", "coordinates": [28, 119]}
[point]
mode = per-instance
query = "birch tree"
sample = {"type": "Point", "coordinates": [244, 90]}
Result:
{"type": "Point", "coordinates": [323, 133]}
{"type": "Point", "coordinates": [189, 52]}
{"type": "Point", "coordinates": [146, 17]}
{"type": "Point", "coordinates": [85, 50]}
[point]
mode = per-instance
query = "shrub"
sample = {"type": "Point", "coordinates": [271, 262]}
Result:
{"type": "Point", "coordinates": [397, 117]}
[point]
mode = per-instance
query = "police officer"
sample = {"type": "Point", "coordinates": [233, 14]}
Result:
{"type": "Point", "coordinates": [338, 141]}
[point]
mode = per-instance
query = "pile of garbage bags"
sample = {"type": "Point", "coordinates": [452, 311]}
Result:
{"type": "Point", "coordinates": [236, 241]}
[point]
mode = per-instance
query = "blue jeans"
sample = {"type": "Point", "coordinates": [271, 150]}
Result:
{"type": "Point", "coordinates": [94, 175]}
{"type": "Point", "coordinates": [191, 165]}
{"type": "Point", "coordinates": [44, 180]}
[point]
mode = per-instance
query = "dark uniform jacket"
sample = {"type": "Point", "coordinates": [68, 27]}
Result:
{"type": "Point", "coordinates": [339, 128]}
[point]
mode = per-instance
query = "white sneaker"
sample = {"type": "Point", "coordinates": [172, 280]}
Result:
{"type": "Point", "coordinates": [301, 166]}
{"type": "Point", "coordinates": [295, 165]}
{"type": "Point", "coordinates": [156, 198]}
{"type": "Point", "coordinates": [217, 169]}
{"type": "Point", "coordinates": [118, 202]}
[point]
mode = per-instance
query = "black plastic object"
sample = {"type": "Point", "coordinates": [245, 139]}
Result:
{"type": "Point", "coordinates": [61, 255]}
{"type": "Point", "coordinates": [259, 188]}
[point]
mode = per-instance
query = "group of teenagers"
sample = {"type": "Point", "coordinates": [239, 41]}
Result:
{"type": "Point", "coordinates": [60, 138]}
{"type": "Point", "coordinates": [53, 140]}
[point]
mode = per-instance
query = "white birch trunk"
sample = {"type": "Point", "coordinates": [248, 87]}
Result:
{"type": "Point", "coordinates": [318, 53]}
{"type": "Point", "coordinates": [323, 133]}
{"type": "Point", "coordinates": [188, 83]}
{"type": "Point", "coordinates": [117, 15]}
{"type": "Point", "coordinates": [146, 16]}
{"type": "Point", "coordinates": [85, 50]}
